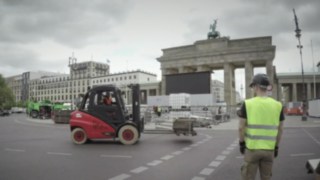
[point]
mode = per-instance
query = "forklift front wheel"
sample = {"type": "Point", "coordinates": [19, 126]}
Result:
{"type": "Point", "coordinates": [128, 134]}
{"type": "Point", "coordinates": [79, 136]}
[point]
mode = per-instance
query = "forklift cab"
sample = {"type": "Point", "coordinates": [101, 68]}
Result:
{"type": "Point", "coordinates": [94, 104]}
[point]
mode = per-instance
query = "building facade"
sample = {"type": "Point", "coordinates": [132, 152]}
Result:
{"type": "Point", "coordinates": [56, 87]}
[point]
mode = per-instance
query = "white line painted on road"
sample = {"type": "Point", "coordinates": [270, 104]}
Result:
{"type": "Point", "coordinates": [233, 145]}
{"type": "Point", "coordinates": [194, 145]}
{"type": "Point", "coordinates": [154, 163]}
{"type": "Point", "coordinates": [167, 157]}
{"type": "Point", "coordinates": [14, 150]}
{"type": "Point", "coordinates": [225, 152]}
{"type": "Point", "coordinates": [206, 171]}
{"type": "Point", "coordinates": [215, 163]}
{"type": "Point", "coordinates": [313, 138]}
{"type": "Point", "coordinates": [230, 148]}
{"type": "Point", "coordinates": [177, 152]}
{"type": "Point", "coordinates": [58, 153]}
{"type": "Point", "coordinates": [186, 149]}
{"type": "Point", "coordinates": [139, 169]}
{"type": "Point", "coordinates": [114, 156]}
{"type": "Point", "coordinates": [220, 158]}
{"type": "Point", "coordinates": [198, 178]}
{"type": "Point", "coordinates": [121, 177]}
{"type": "Point", "coordinates": [239, 157]}
{"type": "Point", "coordinates": [301, 154]}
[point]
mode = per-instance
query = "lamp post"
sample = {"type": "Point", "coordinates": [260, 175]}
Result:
{"type": "Point", "coordinates": [298, 35]}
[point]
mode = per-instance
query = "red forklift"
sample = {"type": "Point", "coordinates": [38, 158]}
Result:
{"type": "Point", "coordinates": [95, 119]}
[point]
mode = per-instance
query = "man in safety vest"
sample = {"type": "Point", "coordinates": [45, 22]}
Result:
{"type": "Point", "coordinates": [260, 130]}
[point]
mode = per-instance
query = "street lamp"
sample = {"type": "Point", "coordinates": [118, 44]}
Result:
{"type": "Point", "coordinates": [298, 35]}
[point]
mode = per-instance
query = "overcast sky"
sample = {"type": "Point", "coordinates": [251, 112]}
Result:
{"type": "Point", "coordinates": [42, 34]}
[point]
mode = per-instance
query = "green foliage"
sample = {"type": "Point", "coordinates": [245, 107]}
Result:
{"type": "Point", "coordinates": [6, 95]}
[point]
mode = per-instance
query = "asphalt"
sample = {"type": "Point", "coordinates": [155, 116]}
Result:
{"type": "Point", "coordinates": [232, 124]}
{"type": "Point", "coordinates": [39, 149]}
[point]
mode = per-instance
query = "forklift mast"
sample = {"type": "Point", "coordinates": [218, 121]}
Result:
{"type": "Point", "coordinates": [135, 103]}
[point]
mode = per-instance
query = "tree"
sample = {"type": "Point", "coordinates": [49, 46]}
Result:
{"type": "Point", "coordinates": [6, 95]}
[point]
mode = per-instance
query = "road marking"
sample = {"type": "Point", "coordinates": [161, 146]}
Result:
{"type": "Point", "coordinates": [198, 178]}
{"type": "Point", "coordinates": [215, 163]}
{"type": "Point", "coordinates": [225, 152]}
{"type": "Point", "coordinates": [206, 171]}
{"type": "Point", "coordinates": [167, 157]}
{"type": "Point", "coordinates": [114, 156]}
{"type": "Point", "coordinates": [186, 148]}
{"type": "Point", "coordinates": [239, 157]}
{"type": "Point", "coordinates": [230, 148]}
{"type": "Point", "coordinates": [220, 158]}
{"type": "Point", "coordinates": [120, 177]}
{"type": "Point", "coordinates": [139, 169]}
{"type": "Point", "coordinates": [194, 145]}
{"type": "Point", "coordinates": [154, 163]}
{"type": "Point", "coordinates": [14, 150]}
{"type": "Point", "coordinates": [302, 154]}
{"type": "Point", "coordinates": [233, 145]}
{"type": "Point", "coordinates": [313, 138]}
{"type": "Point", "coordinates": [177, 152]}
{"type": "Point", "coordinates": [60, 154]}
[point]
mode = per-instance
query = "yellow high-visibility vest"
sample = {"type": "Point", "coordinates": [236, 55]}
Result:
{"type": "Point", "coordinates": [263, 118]}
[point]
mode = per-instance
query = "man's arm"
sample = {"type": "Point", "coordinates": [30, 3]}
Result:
{"type": "Point", "coordinates": [280, 130]}
{"type": "Point", "coordinates": [242, 125]}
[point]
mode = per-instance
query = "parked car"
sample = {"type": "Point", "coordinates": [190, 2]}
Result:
{"type": "Point", "coordinates": [17, 110]}
{"type": "Point", "coordinates": [4, 112]}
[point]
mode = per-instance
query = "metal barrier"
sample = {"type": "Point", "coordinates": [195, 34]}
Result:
{"type": "Point", "coordinates": [205, 115]}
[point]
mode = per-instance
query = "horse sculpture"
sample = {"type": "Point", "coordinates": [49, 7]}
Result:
{"type": "Point", "coordinates": [213, 34]}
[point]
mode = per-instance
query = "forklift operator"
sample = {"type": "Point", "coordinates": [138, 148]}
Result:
{"type": "Point", "coordinates": [107, 100]}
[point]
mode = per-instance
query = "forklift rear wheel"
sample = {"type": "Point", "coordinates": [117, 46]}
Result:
{"type": "Point", "coordinates": [128, 135]}
{"type": "Point", "coordinates": [79, 136]}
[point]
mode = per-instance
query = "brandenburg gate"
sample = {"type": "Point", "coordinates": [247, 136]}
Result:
{"type": "Point", "coordinates": [222, 54]}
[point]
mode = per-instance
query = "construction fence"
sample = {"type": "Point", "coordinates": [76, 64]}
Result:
{"type": "Point", "coordinates": [205, 115]}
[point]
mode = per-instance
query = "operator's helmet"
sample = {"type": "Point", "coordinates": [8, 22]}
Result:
{"type": "Point", "coordinates": [260, 80]}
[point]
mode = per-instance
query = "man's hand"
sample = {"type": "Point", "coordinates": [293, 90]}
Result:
{"type": "Point", "coordinates": [242, 147]}
{"type": "Point", "coordinates": [276, 151]}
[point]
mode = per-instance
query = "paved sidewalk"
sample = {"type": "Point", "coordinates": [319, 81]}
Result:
{"type": "Point", "coordinates": [290, 122]}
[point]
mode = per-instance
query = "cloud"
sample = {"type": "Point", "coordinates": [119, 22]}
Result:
{"type": "Point", "coordinates": [71, 22]}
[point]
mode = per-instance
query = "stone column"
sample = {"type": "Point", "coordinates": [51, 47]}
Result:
{"type": "Point", "coordinates": [280, 93]}
{"type": "Point", "coordinates": [294, 92]}
{"type": "Point", "coordinates": [163, 82]}
{"type": "Point", "coordinates": [248, 79]}
{"type": "Point", "coordinates": [270, 74]}
{"type": "Point", "coordinates": [229, 85]}
{"type": "Point", "coordinates": [309, 91]}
